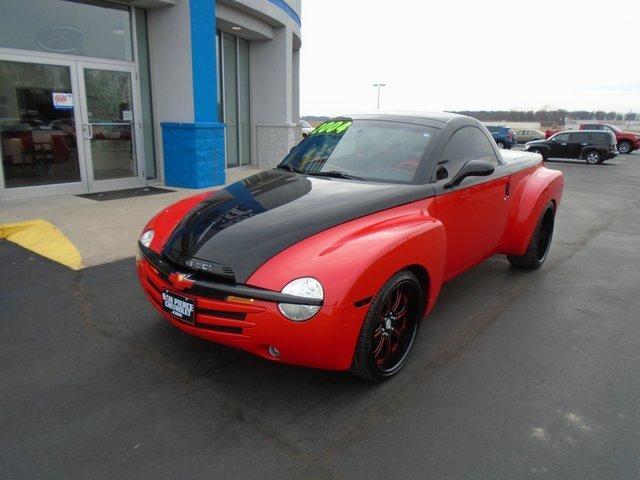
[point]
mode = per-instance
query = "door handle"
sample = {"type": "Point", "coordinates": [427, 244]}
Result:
{"type": "Point", "coordinates": [87, 130]}
{"type": "Point", "coordinates": [584, 144]}
{"type": "Point", "coordinates": [563, 144]}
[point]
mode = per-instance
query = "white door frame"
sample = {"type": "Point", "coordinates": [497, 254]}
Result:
{"type": "Point", "coordinates": [57, 188]}
{"type": "Point", "coordinates": [139, 179]}
{"type": "Point", "coordinates": [84, 185]}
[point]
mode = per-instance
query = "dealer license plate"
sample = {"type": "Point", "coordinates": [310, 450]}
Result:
{"type": "Point", "coordinates": [179, 306]}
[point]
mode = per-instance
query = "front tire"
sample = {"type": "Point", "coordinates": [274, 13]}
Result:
{"type": "Point", "coordinates": [539, 151]}
{"type": "Point", "coordinates": [593, 157]}
{"type": "Point", "coordinates": [540, 243]}
{"type": "Point", "coordinates": [389, 328]}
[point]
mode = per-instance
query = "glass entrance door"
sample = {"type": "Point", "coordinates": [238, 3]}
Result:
{"type": "Point", "coordinates": [67, 126]}
{"type": "Point", "coordinates": [109, 128]}
{"type": "Point", "coordinates": [39, 128]}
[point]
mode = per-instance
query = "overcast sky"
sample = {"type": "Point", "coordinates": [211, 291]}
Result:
{"type": "Point", "coordinates": [470, 55]}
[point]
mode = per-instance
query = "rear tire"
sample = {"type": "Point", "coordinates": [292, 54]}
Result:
{"type": "Point", "coordinates": [624, 147]}
{"type": "Point", "coordinates": [540, 243]}
{"type": "Point", "coordinates": [593, 157]}
{"type": "Point", "coordinates": [500, 144]}
{"type": "Point", "coordinates": [389, 328]}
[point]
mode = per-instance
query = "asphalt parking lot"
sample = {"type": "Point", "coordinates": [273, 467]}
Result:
{"type": "Point", "coordinates": [514, 375]}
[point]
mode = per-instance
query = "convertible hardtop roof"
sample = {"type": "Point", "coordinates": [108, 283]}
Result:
{"type": "Point", "coordinates": [431, 119]}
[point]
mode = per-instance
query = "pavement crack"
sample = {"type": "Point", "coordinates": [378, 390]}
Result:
{"type": "Point", "coordinates": [284, 445]}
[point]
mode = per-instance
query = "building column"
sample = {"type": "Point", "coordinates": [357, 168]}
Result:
{"type": "Point", "coordinates": [194, 150]}
{"type": "Point", "coordinates": [273, 105]}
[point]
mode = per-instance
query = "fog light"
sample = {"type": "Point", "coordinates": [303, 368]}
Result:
{"type": "Point", "coordinates": [273, 351]}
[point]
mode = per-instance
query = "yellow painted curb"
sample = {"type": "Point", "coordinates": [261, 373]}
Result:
{"type": "Point", "coordinates": [43, 238]}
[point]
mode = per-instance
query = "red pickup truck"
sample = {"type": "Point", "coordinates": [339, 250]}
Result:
{"type": "Point", "coordinates": [331, 260]}
{"type": "Point", "coordinates": [627, 141]}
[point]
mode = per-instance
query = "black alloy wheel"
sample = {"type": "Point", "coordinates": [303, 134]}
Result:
{"type": "Point", "coordinates": [593, 157]}
{"type": "Point", "coordinates": [389, 329]}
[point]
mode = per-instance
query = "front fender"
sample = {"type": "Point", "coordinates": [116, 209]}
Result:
{"type": "Point", "coordinates": [354, 260]}
{"type": "Point", "coordinates": [530, 196]}
{"type": "Point", "coordinates": [543, 148]}
{"type": "Point", "coordinates": [165, 221]}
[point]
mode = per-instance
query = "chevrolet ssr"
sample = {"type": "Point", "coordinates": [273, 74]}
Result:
{"type": "Point", "coordinates": [332, 259]}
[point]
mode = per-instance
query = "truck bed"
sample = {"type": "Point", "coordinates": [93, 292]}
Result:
{"type": "Point", "coordinates": [519, 160]}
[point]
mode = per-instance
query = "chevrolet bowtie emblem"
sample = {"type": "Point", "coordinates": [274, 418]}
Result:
{"type": "Point", "coordinates": [180, 280]}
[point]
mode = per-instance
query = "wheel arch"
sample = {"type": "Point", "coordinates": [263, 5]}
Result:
{"type": "Point", "coordinates": [544, 185]}
{"type": "Point", "coordinates": [592, 148]}
{"type": "Point", "coordinates": [422, 274]}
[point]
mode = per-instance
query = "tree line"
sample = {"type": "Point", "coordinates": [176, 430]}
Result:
{"type": "Point", "coordinates": [546, 116]}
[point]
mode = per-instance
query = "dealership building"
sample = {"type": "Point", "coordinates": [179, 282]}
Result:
{"type": "Point", "coordinates": [102, 95]}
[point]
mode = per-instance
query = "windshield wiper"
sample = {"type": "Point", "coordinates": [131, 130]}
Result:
{"type": "Point", "coordinates": [334, 174]}
{"type": "Point", "coordinates": [288, 166]}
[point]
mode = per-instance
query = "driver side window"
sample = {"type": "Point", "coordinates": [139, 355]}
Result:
{"type": "Point", "coordinates": [467, 143]}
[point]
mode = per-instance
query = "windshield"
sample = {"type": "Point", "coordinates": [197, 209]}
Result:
{"type": "Point", "coordinates": [371, 150]}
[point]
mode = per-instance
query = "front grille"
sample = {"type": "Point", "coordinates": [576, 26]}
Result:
{"type": "Point", "coordinates": [205, 270]}
{"type": "Point", "coordinates": [212, 314]}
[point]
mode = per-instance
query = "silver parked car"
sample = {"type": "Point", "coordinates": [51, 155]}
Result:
{"type": "Point", "coordinates": [528, 135]}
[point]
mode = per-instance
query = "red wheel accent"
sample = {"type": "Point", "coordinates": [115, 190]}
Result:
{"type": "Point", "coordinates": [395, 327]}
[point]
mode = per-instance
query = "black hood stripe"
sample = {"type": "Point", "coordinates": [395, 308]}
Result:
{"type": "Point", "coordinates": [239, 228]}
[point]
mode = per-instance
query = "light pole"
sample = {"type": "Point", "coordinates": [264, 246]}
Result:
{"type": "Point", "coordinates": [379, 85]}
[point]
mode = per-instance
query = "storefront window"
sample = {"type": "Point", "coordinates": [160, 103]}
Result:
{"type": "Point", "coordinates": [230, 75]}
{"type": "Point", "coordinates": [234, 83]}
{"type": "Point", "coordinates": [145, 93]}
{"type": "Point", "coordinates": [243, 102]}
{"type": "Point", "coordinates": [97, 29]}
{"type": "Point", "coordinates": [37, 127]}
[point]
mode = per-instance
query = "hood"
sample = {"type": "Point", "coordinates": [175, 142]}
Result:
{"type": "Point", "coordinates": [631, 134]}
{"type": "Point", "coordinates": [537, 142]}
{"type": "Point", "coordinates": [237, 229]}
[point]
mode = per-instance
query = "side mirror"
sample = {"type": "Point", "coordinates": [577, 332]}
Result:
{"type": "Point", "coordinates": [473, 168]}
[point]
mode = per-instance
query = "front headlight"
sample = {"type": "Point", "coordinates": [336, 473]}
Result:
{"type": "Point", "coordinates": [302, 287]}
{"type": "Point", "coordinates": [146, 237]}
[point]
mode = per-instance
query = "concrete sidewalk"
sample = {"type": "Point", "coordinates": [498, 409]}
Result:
{"type": "Point", "coordinates": [102, 231]}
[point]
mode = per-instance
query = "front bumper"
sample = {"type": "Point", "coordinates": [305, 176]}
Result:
{"type": "Point", "coordinates": [232, 315]}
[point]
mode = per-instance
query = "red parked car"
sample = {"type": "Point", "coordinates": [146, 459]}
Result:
{"type": "Point", "coordinates": [332, 259]}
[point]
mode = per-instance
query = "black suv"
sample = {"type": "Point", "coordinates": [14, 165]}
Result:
{"type": "Point", "coordinates": [593, 146]}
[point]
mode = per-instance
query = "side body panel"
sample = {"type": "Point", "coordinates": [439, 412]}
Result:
{"type": "Point", "coordinates": [474, 218]}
